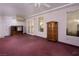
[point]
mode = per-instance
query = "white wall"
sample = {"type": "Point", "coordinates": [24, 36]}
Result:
{"type": "Point", "coordinates": [6, 22]}
{"type": "Point", "coordinates": [61, 17]}
{"type": "Point", "coordinates": [1, 28]}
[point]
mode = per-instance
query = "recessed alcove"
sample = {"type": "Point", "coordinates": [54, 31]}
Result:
{"type": "Point", "coordinates": [16, 30]}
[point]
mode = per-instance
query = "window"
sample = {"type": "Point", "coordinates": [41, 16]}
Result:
{"type": "Point", "coordinates": [41, 24]}
{"type": "Point", "coordinates": [30, 26]}
{"type": "Point", "coordinates": [73, 23]}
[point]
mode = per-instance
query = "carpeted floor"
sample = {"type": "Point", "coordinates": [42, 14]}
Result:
{"type": "Point", "coordinates": [27, 45]}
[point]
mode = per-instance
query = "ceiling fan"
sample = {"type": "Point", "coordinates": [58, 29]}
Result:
{"type": "Point", "coordinates": [37, 5]}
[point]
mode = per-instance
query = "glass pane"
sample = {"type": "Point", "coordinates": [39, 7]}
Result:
{"type": "Point", "coordinates": [72, 23]}
{"type": "Point", "coordinates": [41, 24]}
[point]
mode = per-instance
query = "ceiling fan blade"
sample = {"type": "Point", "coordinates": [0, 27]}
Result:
{"type": "Point", "coordinates": [46, 5]}
{"type": "Point", "coordinates": [43, 4]}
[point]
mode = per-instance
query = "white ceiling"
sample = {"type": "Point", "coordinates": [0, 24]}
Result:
{"type": "Point", "coordinates": [25, 9]}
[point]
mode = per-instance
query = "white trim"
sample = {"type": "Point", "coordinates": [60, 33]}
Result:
{"type": "Point", "coordinates": [51, 10]}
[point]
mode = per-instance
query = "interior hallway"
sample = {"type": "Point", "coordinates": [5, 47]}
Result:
{"type": "Point", "coordinates": [27, 45]}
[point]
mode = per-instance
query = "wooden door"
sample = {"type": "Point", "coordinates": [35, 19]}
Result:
{"type": "Point", "coordinates": [52, 31]}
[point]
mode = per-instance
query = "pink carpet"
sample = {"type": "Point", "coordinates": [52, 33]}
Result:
{"type": "Point", "coordinates": [27, 45]}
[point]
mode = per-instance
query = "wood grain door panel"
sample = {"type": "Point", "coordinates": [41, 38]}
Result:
{"type": "Point", "coordinates": [52, 31]}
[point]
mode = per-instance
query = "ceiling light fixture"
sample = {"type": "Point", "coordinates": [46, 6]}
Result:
{"type": "Point", "coordinates": [42, 4]}
{"type": "Point", "coordinates": [37, 4]}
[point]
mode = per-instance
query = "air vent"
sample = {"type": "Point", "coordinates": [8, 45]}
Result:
{"type": "Point", "coordinates": [20, 18]}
